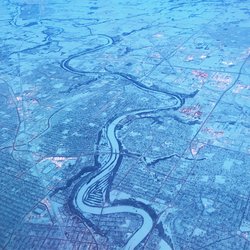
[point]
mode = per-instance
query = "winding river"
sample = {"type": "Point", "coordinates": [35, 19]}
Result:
{"type": "Point", "coordinates": [92, 196]}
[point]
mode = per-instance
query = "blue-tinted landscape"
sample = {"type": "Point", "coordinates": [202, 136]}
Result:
{"type": "Point", "coordinates": [124, 125]}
